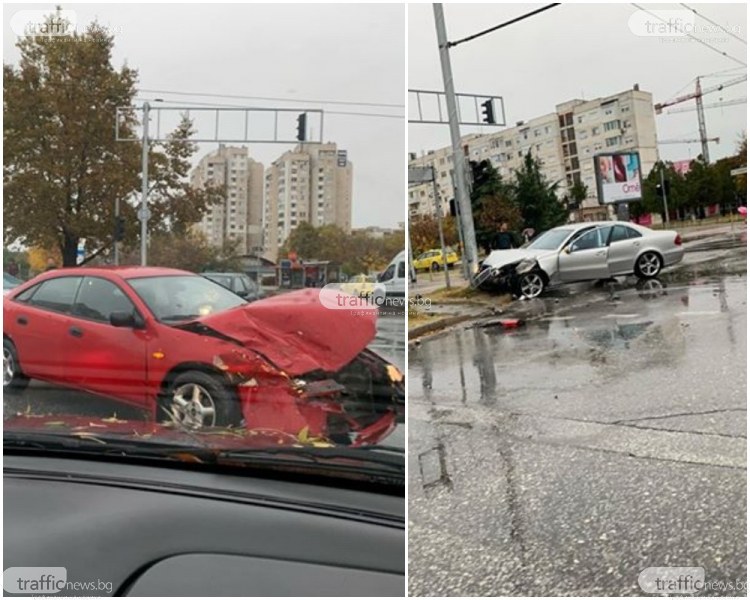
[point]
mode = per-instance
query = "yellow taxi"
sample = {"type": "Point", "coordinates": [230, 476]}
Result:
{"type": "Point", "coordinates": [360, 285]}
{"type": "Point", "coordinates": [433, 259]}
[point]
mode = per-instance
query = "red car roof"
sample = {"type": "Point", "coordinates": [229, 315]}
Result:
{"type": "Point", "coordinates": [124, 272]}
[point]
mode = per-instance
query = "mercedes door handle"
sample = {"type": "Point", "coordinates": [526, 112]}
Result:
{"type": "Point", "coordinates": [601, 253]}
{"type": "Point", "coordinates": [76, 332]}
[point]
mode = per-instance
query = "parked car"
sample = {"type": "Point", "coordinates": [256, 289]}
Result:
{"type": "Point", "coordinates": [10, 282]}
{"type": "Point", "coordinates": [432, 260]}
{"type": "Point", "coordinates": [194, 353]}
{"type": "Point", "coordinates": [239, 283]}
{"type": "Point", "coordinates": [580, 252]}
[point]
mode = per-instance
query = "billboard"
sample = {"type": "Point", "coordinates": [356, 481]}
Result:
{"type": "Point", "coordinates": [618, 177]}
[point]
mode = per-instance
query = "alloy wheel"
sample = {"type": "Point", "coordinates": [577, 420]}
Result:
{"type": "Point", "coordinates": [9, 367]}
{"type": "Point", "coordinates": [649, 264]}
{"type": "Point", "coordinates": [192, 406]}
{"type": "Point", "coordinates": [532, 285]}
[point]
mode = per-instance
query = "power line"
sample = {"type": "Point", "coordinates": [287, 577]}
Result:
{"type": "Point", "coordinates": [724, 54]}
{"type": "Point", "coordinates": [501, 25]}
{"type": "Point", "coordinates": [223, 105]}
{"type": "Point", "coordinates": [275, 99]}
{"type": "Point", "coordinates": [722, 73]}
{"type": "Point", "coordinates": [714, 23]}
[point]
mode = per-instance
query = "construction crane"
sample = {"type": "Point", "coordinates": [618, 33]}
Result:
{"type": "Point", "coordinates": [731, 102]}
{"type": "Point", "coordinates": [697, 95]}
{"type": "Point", "coordinates": [694, 141]}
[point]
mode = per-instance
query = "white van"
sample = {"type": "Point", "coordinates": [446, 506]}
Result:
{"type": "Point", "coordinates": [393, 279]}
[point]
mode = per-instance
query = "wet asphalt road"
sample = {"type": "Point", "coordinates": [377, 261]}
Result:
{"type": "Point", "coordinates": [44, 398]}
{"type": "Point", "coordinates": [605, 436]}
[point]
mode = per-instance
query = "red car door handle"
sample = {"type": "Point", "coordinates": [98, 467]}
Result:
{"type": "Point", "coordinates": [75, 332]}
{"type": "Point", "coordinates": [22, 321]}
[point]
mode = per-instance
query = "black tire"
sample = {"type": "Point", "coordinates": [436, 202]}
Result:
{"type": "Point", "coordinates": [219, 405]}
{"type": "Point", "coordinates": [531, 285]}
{"type": "Point", "coordinates": [435, 266]}
{"type": "Point", "coordinates": [648, 265]}
{"type": "Point", "coordinates": [14, 381]}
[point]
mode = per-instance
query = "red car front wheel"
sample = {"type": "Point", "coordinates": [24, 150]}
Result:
{"type": "Point", "coordinates": [196, 399]}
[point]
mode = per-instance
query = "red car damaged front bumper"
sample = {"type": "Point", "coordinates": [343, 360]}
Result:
{"type": "Point", "coordinates": [303, 369]}
{"type": "Point", "coordinates": [360, 404]}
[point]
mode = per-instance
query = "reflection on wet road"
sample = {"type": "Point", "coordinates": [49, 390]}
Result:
{"type": "Point", "coordinates": [605, 436]}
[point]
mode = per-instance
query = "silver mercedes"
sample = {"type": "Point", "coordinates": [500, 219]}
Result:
{"type": "Point", "coordinates": [580, 252]}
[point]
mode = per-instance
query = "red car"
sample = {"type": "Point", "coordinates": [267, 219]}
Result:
{"type": "Point", "coordinates": [194, 353]}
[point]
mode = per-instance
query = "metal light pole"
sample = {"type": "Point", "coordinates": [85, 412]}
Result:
{"type": "Point", "coordinates": [143, 213]}
{"type": "Point", "coordinates": [664, 195]}
{"type": "Point", "coordinates": [462, 195]}
{"type": "Point", "coordinates": [117, 219]}
{"type": "Point", "coordinates": [464, 263]}
{"type": "Point", "coordinates": [439, 217]}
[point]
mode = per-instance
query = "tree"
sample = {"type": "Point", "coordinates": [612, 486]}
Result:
{"type": "Point", "coordinates": [578, 193]}
{"type": "Point", "coordinates": [492, 203]}
{"type": "Point", "coordinates": [425, 235]}
{"type": "Point", "coordinates": [189, 251]}
{"type": "Point", "coordinates": [536, 197]}
{"type": "Point", "coordinates": [702, 185]}
{"type": "Point", "coordinates": [355, 252]}
{"type": "Point", "coordinates": [38, 258]}
{"type": "Point", "coordinates": [652, 201]}
{"type": "Point", "coordinates": [63, 168]}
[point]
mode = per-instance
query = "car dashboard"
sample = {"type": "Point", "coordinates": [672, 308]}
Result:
{"type": "Point", "coordinates": [143, 530]}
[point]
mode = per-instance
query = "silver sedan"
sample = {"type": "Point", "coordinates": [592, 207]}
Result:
{"type": "Point", "coordinates": [581, 252]}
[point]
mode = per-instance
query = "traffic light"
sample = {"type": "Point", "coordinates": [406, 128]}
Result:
{"type": "Point", "coordinates": [302, 127]}
{"type": "Point", "coordinates": [119, 228]}
{"type": "Point", "coordinates": [488, 112]}
{"type": "Point", "coordinates": [452, 204]}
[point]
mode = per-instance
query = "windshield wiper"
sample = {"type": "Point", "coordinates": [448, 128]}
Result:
{"type": "Point", "coordinates": [353, 457]}
{"type": "Point", "coordinates": [354, 462]}
{"type": "Point", "coordinates": [91, 443]}
{"type": "Point", "coordinates": [179, 318]}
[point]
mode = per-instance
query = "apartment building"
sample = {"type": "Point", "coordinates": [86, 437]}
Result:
{"type": "Point", "coordinates": [311, 183]}
{"type": "Point", "coordinates": [239, 216]}
{"type": "Point", "coordinates": [564, 141]}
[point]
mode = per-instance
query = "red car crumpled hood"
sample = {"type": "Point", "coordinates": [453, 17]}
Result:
{"type": "Point", "coordinates": [297, 333]}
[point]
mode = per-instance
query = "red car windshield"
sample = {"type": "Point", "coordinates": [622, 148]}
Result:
{"type": "Point", "coordinates": [177, 298]}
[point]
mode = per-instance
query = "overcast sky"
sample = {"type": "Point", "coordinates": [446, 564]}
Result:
{"type": "Point", "coordinates": [352, 53]}
{"type": "Point", "coordinates": [579, 51]}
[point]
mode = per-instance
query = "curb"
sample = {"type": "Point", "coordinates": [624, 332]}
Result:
{"type": "Point", "coordinates": [439, 325]}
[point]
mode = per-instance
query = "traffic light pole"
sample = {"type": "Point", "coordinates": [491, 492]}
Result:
{"type": "Point", "coordinates": [464, 264]}
{"type": "Point", "coordinates": [116, 241]}
{"type": "Point", "coordinates": [463, 200]}
{"type": "Point", "coordinates": [664, 195]}
{"type": "Point", "coordinates": [439, 217]}
{"type": "Point", "coordinates": [144, 186]}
